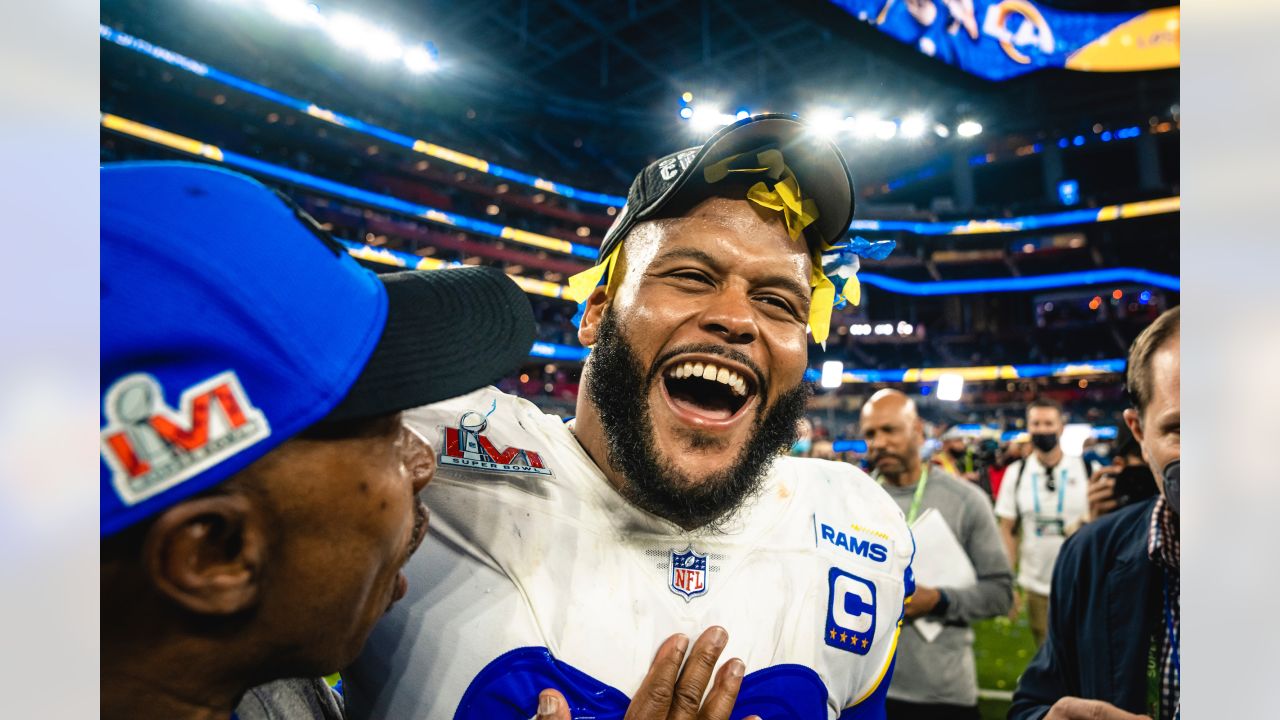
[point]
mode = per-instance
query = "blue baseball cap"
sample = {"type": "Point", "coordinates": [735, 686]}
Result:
{"type": "Point", "coordinates": [232, 322]}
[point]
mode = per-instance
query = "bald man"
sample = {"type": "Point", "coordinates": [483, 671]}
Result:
{"type": "Point", "coordinates": [936, 679]}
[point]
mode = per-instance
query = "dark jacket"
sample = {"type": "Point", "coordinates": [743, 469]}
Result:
{"type": "Point", "coordinates": [1104, 606]}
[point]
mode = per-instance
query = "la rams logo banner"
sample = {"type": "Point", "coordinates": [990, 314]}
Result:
{"type": "Point", "coordinates": [688, 574]}
{"type": "Point", "coordinates": [1000, 39]}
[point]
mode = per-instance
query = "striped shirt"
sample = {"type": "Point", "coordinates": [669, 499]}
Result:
{"type": "Point", "coordinates": [1164, 548]}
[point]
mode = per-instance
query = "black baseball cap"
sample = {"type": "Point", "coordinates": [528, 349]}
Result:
{"type": "Point", "coordinates": [820, 169]}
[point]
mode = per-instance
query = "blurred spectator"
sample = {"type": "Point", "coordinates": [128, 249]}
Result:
{"type": "Point", "coordinates": [938, 678]}
{"type": "Point", "coordinates": [955, 457]}
{"type": "Point", "coordinates": [1126, 480]}
{"type": "Point", "coordinates": [1113, 638]}
{"type": "Point", "coordinates": [1041, 495]}
{"type": "Point", "coordinates": [804, 438]}
{"type": "Point", "coordinates": [1009, 453]}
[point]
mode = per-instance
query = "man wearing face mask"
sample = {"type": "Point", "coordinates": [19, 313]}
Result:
{"type": "Point", "coordinates": [1041, 496]}
{"type": "Point", "coordinates": [1112, 648]}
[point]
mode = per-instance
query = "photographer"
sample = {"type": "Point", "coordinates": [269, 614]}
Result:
{"type": "Point", "coordinates": [1040, 497]}
{"type": "Point", "coordinates": [1126, 480]}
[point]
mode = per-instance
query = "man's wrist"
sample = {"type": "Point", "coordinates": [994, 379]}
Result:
{"type": "Point", "coordinates": [940, 607]}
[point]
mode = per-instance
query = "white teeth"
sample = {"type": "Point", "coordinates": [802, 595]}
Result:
{"type": "Point", "coordinates": [708, 371]}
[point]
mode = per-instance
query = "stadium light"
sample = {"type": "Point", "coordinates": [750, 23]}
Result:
{"type": "Point", "coordinates": [950, 387]}
{"type": "Point", "coordinates": [824, 122]}
{"type": "Point", "coordinates": [686, 112]}
{"type": "Point", "coordinates": [351, 32]}
{"type": "Point", "coordinates": [968, 128]}
{"type": "Point", "coordinates": [832, 374]}
{"type": "Point", "coordinates": [298, 12]}
{"type": "Point", "coordinates": [912, 126]}
{"type": "Point", "coordinates": [705, 118]}
{"type": "Point", "coordinates": [743, 114]}
{"type": "Point", "coordinates": [942, 130]}
{"type": "Point", "coordinates": [886, 129]}
{"type": "Point", "coordinates": [347, 30]}
{"type": "Point", "coordinates": [1073, 437]}
{"type": "Point", "coordinates": [864, 126]}
{"type": "Point", "coordinates": [419, 60]}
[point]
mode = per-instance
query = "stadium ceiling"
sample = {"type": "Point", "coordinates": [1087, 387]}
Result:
{"type": "Point", "coordinates": [607, 75]}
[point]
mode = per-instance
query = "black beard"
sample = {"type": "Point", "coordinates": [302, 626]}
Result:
{"type": "Point", "coordinates": [618, 386]}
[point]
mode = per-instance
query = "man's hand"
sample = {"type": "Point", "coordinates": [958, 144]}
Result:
{"type": "Point", "coordinates": [1016, 606]}
{"type": "Point", "coordinates": [922, 602]}
{"type": "Point", "coordinates": [1074, 708]}
{"type": "Point", "coordinates": [1102, 490]}
{"type": "Point", "coordinates": [667, 693]}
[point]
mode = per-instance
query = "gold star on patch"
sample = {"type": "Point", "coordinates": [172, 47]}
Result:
{"type": "Point", "coordinates": [864, 642]}
{"type": "Point", "coordinates": [844, 637]}
{"type": "Point", "coordinates": [833, 633]}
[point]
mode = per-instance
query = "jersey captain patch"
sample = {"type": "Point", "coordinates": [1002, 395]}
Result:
{"type": "Point", "coordinates": [466, 446]}
{"type": "Point", "coordinates": [851, 612]}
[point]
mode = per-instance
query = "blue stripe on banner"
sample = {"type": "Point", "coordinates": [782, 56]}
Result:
{"type": "Point", "coordinates": [1023, 284]}
{"type": "Point", "coordinates": [378, 200]}
{"type": "Point", "coordinates": [408, 260]}
{"type": "Point", "coordinates": [1015, 224]}
{"type": "Point", "coordinates": [558, 352]}
{"type": "Point", "coordinates": [884, 282]}
{"type": "Point", "coordinates": [171, 58]}
{"type": "Point", "coordinates": [858, 446]}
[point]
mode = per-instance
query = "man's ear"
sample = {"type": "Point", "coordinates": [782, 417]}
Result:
{"type": "Point", "coordinates": [589, 328]}
{"type": "Point", "coordinates": [207, 554]}
{"type": "Point", "coordinates": [1134, 421]}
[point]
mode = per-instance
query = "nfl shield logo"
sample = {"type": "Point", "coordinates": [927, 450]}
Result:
{"type": "Point", "coordinates": [688, 576]}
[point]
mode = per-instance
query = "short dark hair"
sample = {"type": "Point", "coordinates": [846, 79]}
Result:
{"type": "Point", "coordinates": [1044, 402]}
{"type": "Point", "coordinates": [1137, 373]}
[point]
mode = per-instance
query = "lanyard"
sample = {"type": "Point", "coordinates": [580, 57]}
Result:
{"type": "Point", "coordinates": [1169, 628]}
{"type": "Point", "coordinates": [1062, 491]}
{"type": "Point", "coordinates": [915, 500]}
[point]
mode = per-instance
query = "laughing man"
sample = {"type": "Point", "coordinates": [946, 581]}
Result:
{"type": "Point", "coordinates": [564, 551]}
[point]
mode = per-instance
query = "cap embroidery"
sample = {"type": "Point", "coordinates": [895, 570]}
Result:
{"type": "Point", "coordinates": [151, 447]}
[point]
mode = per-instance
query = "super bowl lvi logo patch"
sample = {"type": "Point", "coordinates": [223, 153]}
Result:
{"type": "Point", "coordinates": [151, 447]}
{"type": "Point", "coordinates": [467, 446]}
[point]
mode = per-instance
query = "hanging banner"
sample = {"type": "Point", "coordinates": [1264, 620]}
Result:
{"type": "Point", "coordinates": [1001, 39]}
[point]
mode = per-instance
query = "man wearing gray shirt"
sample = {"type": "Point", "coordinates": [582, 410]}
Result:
{"type": "Point", "coordinates": [936, 679]}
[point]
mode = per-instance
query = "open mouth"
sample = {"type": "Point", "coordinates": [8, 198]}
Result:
{"type": "Point", "coordinates": [420, 520]}
{"type": "Point", "coordinates": [708, 392]}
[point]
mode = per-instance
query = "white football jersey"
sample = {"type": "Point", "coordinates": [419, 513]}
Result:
{"type": "Point", "coordinates": [538, 574]}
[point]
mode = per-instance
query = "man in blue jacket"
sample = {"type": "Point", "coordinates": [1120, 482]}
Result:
{"type": "Point", "coordinates": [1112, 648]}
